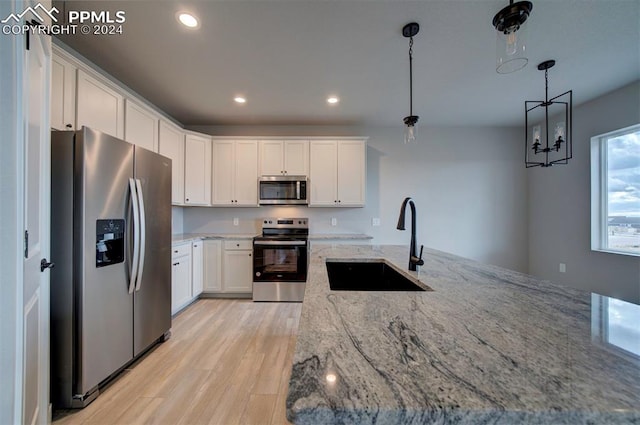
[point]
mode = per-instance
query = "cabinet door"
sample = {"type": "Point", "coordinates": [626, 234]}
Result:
{"type": "Point", "coordinates": [246, 173]}
{"type": "Point", "coordinates": [296, 157]}
{"type": "Point", "coordinates": [180, 282]}
{"type": "Point", "coordinates": [323, 173]}
{"type": "Point", "coordinates": [63, 94]}
{"type": "Point", "coordinates": [351, 173]}
{"type": "Point", "coordinates": [140, 126]}
{"type": "Point", "coordinates": [223, 172]}
{"type": "Point", "coordinates": [212, 266]}
{"type": "Point", "coordinates": [197, 170]}
{"type": "Point", "coordinates": [171, 145]}
{"type": "Point", "coordinates": [99, 107]}
{"type": "Point", "coordinates": [271, 158]}
{"type": "Point", "coordinates": [238, 271]}
{"type": "Point", "coordinates": [197, 269]}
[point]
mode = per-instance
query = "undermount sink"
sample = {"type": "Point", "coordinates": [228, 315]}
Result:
{"type": "Point", "coordinates": [369, 275]}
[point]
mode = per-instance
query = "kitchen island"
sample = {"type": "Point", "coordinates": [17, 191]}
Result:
{"type": "Point", "coordinates": [487, 345]}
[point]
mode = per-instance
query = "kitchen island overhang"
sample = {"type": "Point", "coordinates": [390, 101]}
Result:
{"type": "Point", "coordinates": [486, 345]}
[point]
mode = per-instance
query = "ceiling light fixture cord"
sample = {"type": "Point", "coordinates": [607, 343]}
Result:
{"type": "Point", "coordinates": [410, 75]}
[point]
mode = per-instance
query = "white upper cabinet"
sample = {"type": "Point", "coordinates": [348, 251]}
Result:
{"type": "Point", "coordinates": [296, 157]}
{"type": "Point", "coordinates": [223, 172]}
{"type": "Point", "coordinates": [63, 94]}
{"type": "Point", "coordinates": [246, 173]}
{"type": "Point", "coordinates": [140, 126]}
{"type": "Point", "coordinates": [99, 107]}
{"type": "Point", "coordinates": [284, 157]}
{"type": "Point", "coordinates": [337, 173]}
{"type": "Point", "coordinates": [171, 145]}
{"type": "Point", "coordinates": [351, 173]}
{"type": "Point", "coordinates": [197, 170]}
{"type": "Point", "coordinates": [323, 173]}
{"type": "Point", "coordinates": [235, 173]}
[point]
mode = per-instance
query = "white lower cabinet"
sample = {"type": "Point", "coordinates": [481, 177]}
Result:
{"type": "Point", "coordinates": [181, 276]}
{"type": "Point", "coordinates": [212, 258]}
{"type": "Point", "coordinates": [228, 267]}
{"type": "Point", "coordinates": [238, 266]}
{"type": "Point", "coordinates": [197, 268]}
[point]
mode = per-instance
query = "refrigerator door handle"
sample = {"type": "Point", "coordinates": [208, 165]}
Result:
{"type": "Point", "coordinates": [142, 232]}
{"type": "Point", "coordinates": [136, 235]}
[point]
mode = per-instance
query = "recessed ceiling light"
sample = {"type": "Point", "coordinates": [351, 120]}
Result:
{"type": "Point", "coordinates": [333, 100]}
{"type": "Point", "coordinates": [240, 99]}
{"type": "Point", "coordinates": [188, 20]}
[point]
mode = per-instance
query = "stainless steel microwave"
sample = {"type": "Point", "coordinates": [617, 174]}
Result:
{"type": "Point", "coordinates": [283, 190]}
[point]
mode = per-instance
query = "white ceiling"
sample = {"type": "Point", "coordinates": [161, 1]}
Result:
{"type": "Point", "coordinates": [286, 57]}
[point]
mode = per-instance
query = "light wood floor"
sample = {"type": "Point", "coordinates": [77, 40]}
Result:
{"type": "Point", "coordinates": [227, 362]}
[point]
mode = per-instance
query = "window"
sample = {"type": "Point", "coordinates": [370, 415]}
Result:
{"type": "Point", "coordinates": [615, 191]}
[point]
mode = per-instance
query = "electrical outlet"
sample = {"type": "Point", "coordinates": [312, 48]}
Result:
{"type": "Point", "coordinates": [375, 221]}
{"type": "Point", "coordinates": [236, 221]}
{"type": "Point", "coordinates": [563, 268]}
{"type": "Point", "coordinates": [334, 221]}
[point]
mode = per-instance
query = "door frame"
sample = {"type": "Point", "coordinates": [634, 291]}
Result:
{"type": "Point", "coordinates": [13, 85]}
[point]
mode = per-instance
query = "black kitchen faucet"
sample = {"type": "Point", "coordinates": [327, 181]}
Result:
{"type": "Point", "coordinates": [413, 260]}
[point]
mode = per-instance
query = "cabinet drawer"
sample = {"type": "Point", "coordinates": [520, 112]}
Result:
{"type": "Point", "coordinates": [180, 250]}
{"type": "Point", "coordinates": [238, 244]}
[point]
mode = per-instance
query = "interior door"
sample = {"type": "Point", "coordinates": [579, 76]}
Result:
{"type": "Point", "coordinates": [35, 308]}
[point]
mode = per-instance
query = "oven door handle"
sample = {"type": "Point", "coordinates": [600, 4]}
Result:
{"type": "Point", "coordinates": [281, 243]}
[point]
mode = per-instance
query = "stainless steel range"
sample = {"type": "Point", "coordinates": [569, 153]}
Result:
{"type": "Point", "coordinates": [281, 259]}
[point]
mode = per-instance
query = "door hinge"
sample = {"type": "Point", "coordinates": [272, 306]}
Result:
{"type": "Point", "coordinates": [32, 24]}
{"type": "Point", "coordinates": [26, 244]}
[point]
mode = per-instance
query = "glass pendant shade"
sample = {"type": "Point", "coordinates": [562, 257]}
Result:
{"type": "Point", "coordinates": [511, 49]}
{"type": "Point", "coordinates": [410, 133]}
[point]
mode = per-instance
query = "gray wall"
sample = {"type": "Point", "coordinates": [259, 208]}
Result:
{"type": "Point", "coordinates": [469, 186]}
{"type": "Point", "coordinates": [559, 207]}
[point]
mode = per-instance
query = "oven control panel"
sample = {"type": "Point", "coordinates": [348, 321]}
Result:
{"type": "Point", "coordinates": [285, 223]}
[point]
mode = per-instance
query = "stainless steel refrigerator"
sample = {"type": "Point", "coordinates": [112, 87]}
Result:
{"type": "Point", "coordinates": [111, 245]}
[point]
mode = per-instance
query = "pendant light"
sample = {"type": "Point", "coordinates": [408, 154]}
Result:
{"type": "Point", "coordinates": [548, 117]}
{"type": "Point", "coordinates": [410, 121]}
{"type": "Point", "coordinates": [511, 38]}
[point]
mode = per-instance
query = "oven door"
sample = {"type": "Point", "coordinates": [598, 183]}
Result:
{"type": "Point", "coordinates": [279, 260]}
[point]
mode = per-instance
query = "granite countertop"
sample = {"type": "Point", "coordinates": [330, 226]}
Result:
{"type": "Point", "coordinates": [339, 236]}
{"type": "Point", "coordinates": [487, 345]}
{"type": "Point", "coordinates": [188, 237]}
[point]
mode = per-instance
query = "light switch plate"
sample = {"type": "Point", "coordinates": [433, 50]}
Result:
{"type": "Point", "coordinates": [334, 221]}
{"type": "Point", "coordinates": [236, 221]}
{"type": "Point", "coordinates": [563, 268]}
{"type": "Point", "coordinates": [375, 221]}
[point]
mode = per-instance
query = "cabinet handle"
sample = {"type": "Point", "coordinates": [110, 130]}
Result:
{"type": "Point", "coordinates": [68, 126]}
{"type": "Point", "coordinates": [339, 200]}
{"type": "Point", "coordinates": [176, 251]}
{"type": "Point", "coordinates": [249, 255]}
{"type": "Point", "coordinates": [187, 199]}
{"type": "Point", "coordinates": [176, 264]}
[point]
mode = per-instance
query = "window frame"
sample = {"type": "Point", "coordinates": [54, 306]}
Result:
{"type": "Point", "coordinates": [599, 191]}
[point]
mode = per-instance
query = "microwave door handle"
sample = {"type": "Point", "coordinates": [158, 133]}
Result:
{"type": "Point", "coordinates": [298, 189]}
